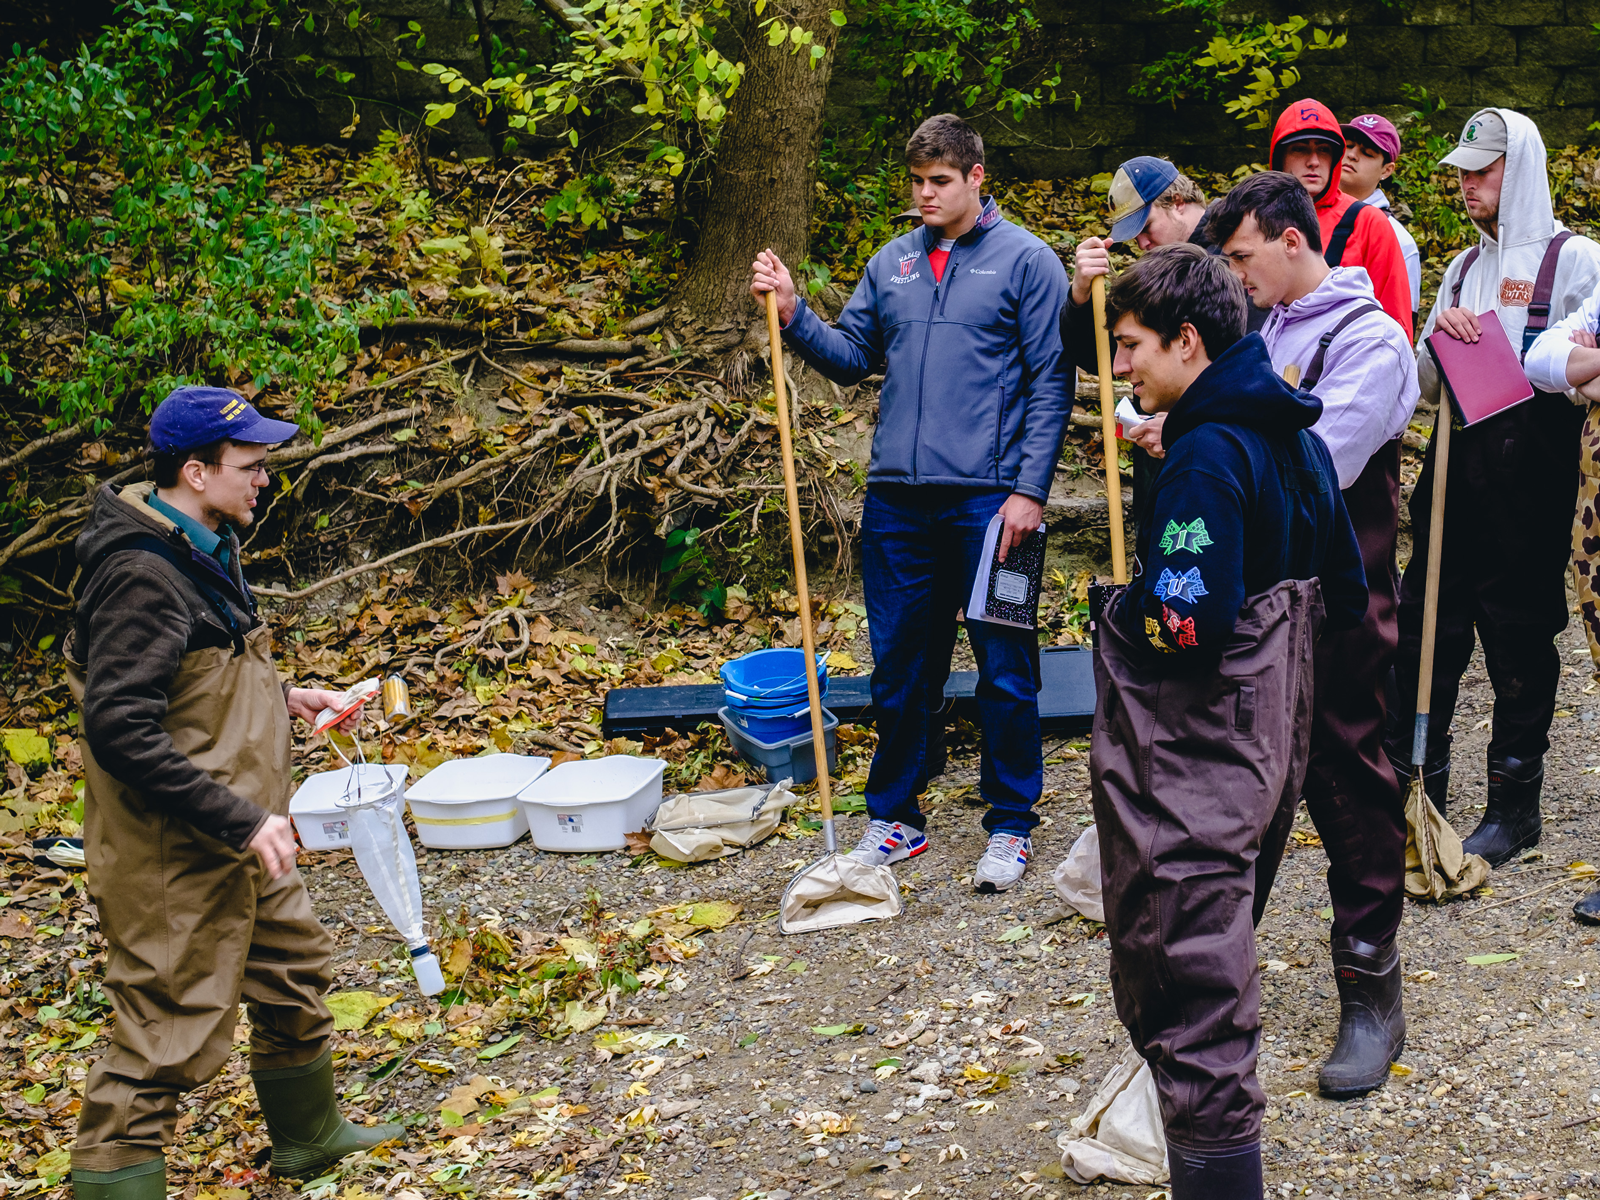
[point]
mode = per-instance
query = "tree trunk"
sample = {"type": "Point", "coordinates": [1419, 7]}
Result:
{"type": "Point", "coordinates": [763, 180]}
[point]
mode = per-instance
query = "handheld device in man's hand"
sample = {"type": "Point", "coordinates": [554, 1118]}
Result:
{"type": "Point", "coordinates": [348, 703]}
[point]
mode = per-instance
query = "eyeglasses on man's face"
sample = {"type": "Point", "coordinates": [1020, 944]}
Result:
{"type": "Point", "coordinates": [252, 469]}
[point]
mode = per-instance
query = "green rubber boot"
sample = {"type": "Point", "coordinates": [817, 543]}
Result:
{"type": "Point", "coordinates": [142, 1181]}
{"type": "Point", "coordinates": [308, 1134]}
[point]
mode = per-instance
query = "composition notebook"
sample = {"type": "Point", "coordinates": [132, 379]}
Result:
{"type": "Point", "coordinates": [1008, 593]}
{"type": "Point", "coordinates": [1483, 377]}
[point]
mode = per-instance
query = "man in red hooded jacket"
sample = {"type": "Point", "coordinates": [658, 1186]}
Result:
{"type": "Point", "coordinates": [1308, 143]}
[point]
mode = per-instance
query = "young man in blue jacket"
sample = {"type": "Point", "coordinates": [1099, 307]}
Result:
{"type": "Point", "coordinates": [1203, 673]}
{"type": "Point", "coordinates": [962, 318]}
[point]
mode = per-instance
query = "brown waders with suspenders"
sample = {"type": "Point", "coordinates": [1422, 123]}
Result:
{"type": "Point", "coordinates": [1513, 483]}
{"type": "Point", "coordinates": [1350, 789]}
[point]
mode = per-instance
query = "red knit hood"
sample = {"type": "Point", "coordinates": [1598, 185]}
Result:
{"type": "Point", "coordinates": [1310, 116]}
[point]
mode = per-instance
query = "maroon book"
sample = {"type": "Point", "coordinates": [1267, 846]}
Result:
{"type": "Point", "coordinates": [1483, 377]}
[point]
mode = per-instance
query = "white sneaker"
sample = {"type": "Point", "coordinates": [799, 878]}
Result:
{"type": "Point", "coordinates": [1003, 862]}
{"type": "Point", "coordinates": [887, 842]}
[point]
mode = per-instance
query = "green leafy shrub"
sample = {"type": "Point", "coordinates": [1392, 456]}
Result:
{"type": "Point", "coordinates": [136, 235]}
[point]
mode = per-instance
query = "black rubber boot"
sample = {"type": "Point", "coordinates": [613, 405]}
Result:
{"type": "Point", "coordinates": [1232, 1176]}
{"type": "Point", "coordinates": [308, 1134]}
{"type": "Point", "coordinates": [1372, 1024]}
{"type": "Point", "coordinates": [142, 1181]}
{"type": "Point", "coordinates": [1511, 821]}
{"type": "Point", "coordinates": [1587, 910]}
{"type": "Point", "coordinates": [1435, 780]}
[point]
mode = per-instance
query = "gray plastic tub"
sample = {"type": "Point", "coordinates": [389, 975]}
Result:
{"type": "Point", "coordinates": [791, 758]}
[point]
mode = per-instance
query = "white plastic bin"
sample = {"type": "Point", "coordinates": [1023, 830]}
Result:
{"type": "Point", "coordinates": [471, 803]}
{"type": "Point", "coordinates": [592, 805]}
{"type": "Point", "coordinates": [315, 811]}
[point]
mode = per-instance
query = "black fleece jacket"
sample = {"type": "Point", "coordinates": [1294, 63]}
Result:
{"type": "Point", "coordinates": [137, 617]}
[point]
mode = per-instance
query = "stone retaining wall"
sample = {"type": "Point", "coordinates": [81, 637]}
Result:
{"type": "Point", "coordinates": [1539, 56]}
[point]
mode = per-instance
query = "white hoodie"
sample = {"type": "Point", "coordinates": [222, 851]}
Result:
{"type": "Point", "coordinates": [1507, 266]}
{"type": "Point", "coordinates": [1368, 387]}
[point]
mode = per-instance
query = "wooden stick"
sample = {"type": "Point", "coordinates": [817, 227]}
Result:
{"type": "Point", "coordinates": [791, 493]}
{"type": "Point", "coordinates": [1430, 602]}
{"type": "Point", "coordinates": [1108, 431]}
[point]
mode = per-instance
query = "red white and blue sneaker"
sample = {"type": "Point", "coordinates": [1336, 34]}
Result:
{"type": "Point", "coordinates": [887, 842]}
{"type": "Point", "coordinates": [1003, 862]}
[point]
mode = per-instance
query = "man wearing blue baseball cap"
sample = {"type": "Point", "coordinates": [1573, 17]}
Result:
{"type": "Point", "coordinates": [1152, 204]}
{"type": "Point", "coordinates": [191, 858]}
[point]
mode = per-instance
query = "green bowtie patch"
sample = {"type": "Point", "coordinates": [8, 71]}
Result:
{"type": "Point", "coordinates": [1191, 537]}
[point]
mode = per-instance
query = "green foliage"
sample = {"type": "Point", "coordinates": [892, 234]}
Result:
{"type": "Point", "coordinates": [1259, 57]}
{"type": "Point", "coordinates": [691, 576]}
{"type": "Point", "coordinates": [938, 55]}
{"type": "Point", "coordinates": [133, 233]}
{"type": "Point", "coordinates": [1430, 190]}
{"type": "Point", "coordinates": [661, 50]}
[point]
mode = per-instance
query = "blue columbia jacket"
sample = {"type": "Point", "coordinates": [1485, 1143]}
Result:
{"type": "Point", "coordinates": [1247, 498]}
{"type": "Point", "coordinates": [975, 388]}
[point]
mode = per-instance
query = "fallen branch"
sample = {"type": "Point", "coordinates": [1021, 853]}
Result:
{"type": "Point", "coordinates": [376, 564]}
{"type": "Point", "coordinates": [597, 347]}
{"type": "Point", "coordinates": [405, 375]}
{"type": "Point", "coordinates": [38, 444]}
{"type": "Point", "coordinates": [289, 455]}
{"type": "Point", "coordinates": [341, 456]}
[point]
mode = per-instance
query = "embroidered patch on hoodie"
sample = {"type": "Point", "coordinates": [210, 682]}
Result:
{"type": "Point", "coordinates": [1516, 293]}
{"type": "Point", "coordinates": [1187, 587]}
{"type": "Point", "coordinates": [1152, 629]}
{"type": "Point", "coordinates": [1180, 536]}
{"type": "Point", "coordinates": [1182, 627]}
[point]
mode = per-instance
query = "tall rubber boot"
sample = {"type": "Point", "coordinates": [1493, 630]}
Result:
{"type": "Point", "coordinates": [1372, 1023]}
{"type": "Point", "coordinates": [1435, 780]}
{"type": "Point", "coordinates": [1200, 1176]}
{"type": "Point", "coordinates": [1511, 820]}
{"type": "Point", "coordinates": [1587, 910]}
{"type": "Point", "coordinates": [308, 1134]}
{"type": "Point", "coordinates": [142, 1181]}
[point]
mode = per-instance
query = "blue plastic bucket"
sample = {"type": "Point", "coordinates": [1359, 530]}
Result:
{"type": "Point", "coordinates": [769, 678]}
{"type": "Point", "coordinates": [772, 725]}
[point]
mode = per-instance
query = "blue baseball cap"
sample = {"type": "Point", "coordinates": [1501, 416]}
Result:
{"type": "Point", "coordinates": [1137, 184]}
{"type": "Point", "coordinates": [198, 416]}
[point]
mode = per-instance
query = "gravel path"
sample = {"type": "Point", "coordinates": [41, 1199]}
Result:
{"type": "Point", "coordinates": [1501, 1060]}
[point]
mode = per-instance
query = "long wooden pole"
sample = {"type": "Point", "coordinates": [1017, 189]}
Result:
{"type": "Point", "coordinates": [791, 495]}
{"type": "Point", "coordinates": [1108, 427]}
{"type": "Point", "coordinates": [1430, 601]}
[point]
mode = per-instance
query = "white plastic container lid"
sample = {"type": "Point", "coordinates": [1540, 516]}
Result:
{"type": "Point", "coordinates": [323, 791]}
{"type": "Point", "coordinates": [493, 777]}
{"type": "Point", "coordinates": [596, 781]}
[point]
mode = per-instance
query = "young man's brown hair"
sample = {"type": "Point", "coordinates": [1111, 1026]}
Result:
{"type": "Point", "coordinates": [947, 139]}
{"type": "Point", "coordinates": [1181, 190]}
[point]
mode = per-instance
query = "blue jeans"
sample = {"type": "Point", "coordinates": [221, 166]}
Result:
{"type": "Point", "coordinates": [920, 549]}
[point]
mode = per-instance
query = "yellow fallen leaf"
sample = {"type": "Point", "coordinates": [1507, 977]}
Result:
{"type": "Point", "coordinates": [434, 1066]}
{"type": "Point", "coordinates": [841, 660]}
{"type": "Point", "coordinates": [579, 1017]}
{"type": "Point", "coordinates": [1399, 1069]}
{"type": "Point", "coordinates": [714, 914]}
{"type": "Point", "coordinates": [352, 1010]}
{"type": "Point", "coordinates": [57, 1162]}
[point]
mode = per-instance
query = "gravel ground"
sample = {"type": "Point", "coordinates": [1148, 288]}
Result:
{"type": "Point", "coordinates": [1501, 1060]}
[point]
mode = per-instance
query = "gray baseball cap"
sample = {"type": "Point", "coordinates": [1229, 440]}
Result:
{"type": "Point", "coordinates": [1481, 142]}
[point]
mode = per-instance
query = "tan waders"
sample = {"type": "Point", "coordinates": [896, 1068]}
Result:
{"type": "Point", "coordinates": [192, 927]}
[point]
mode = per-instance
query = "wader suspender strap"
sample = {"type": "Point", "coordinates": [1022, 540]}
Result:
{"type": "Point", "coordinates": [1314, 372]}
{"type": "Point", "coordinates": [1461, 277]}
{"type": "Point", "coordinates": [151, 544]}
{"type": "Point", "coordinates": [1539, 306]}
{"type": "Point", "coordinates": [1341, 233]}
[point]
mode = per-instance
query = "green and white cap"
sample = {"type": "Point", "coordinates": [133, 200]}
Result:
{"type": "Point", "coordinates": [1481, 142]}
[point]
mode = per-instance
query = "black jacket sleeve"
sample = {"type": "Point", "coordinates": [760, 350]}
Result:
{"type": "Point", "coordinates": [135, 631]}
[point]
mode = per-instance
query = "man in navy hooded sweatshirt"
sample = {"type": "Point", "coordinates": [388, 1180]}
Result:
{"type": "Point", "coordinates": [962, 317]}
{"type": "Point", "coordinates": [1203, 673]}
